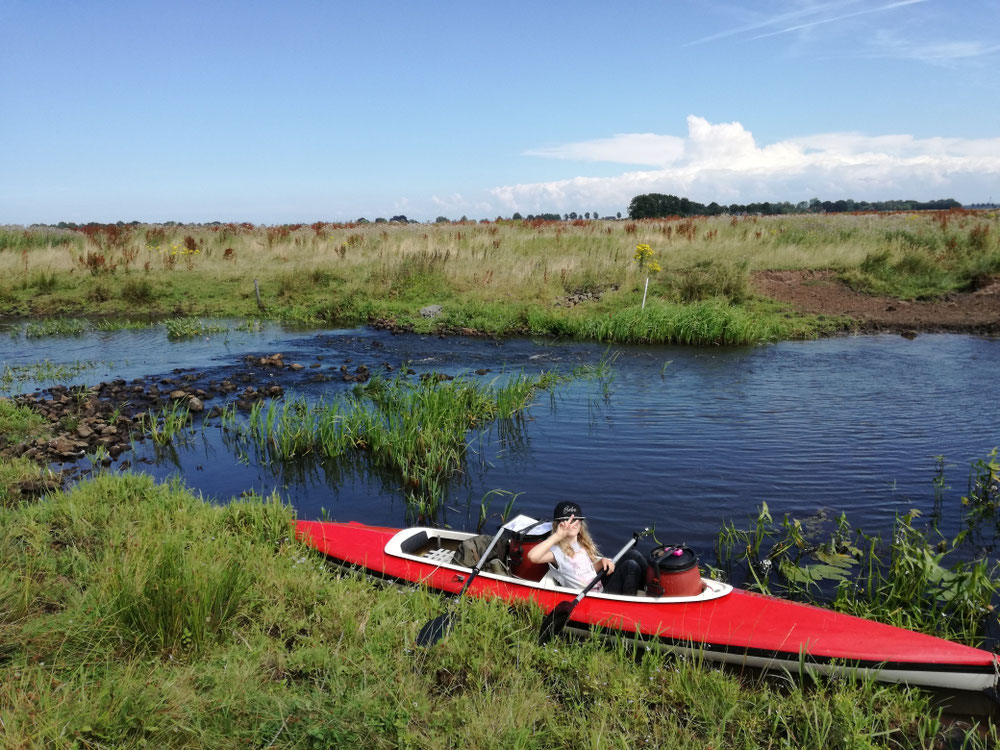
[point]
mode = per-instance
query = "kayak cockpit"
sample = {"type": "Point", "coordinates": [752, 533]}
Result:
{"type": "Point", "coordinates": [439, 548]}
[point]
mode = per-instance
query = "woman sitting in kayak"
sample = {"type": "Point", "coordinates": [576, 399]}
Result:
{"type": "Point", "coordinates": [574, 560]}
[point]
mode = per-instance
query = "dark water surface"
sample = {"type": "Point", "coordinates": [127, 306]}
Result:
{"type": "Point", "coordinates": [685, 438]}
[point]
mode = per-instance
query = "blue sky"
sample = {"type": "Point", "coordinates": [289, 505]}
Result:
{"type": "Point", "coordinates": [311, 110]}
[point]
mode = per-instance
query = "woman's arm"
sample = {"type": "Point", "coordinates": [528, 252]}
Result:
{"type": "Point", "coordinates": [542, 552]}
{"type": "Point", "coordinates": [602, 564]}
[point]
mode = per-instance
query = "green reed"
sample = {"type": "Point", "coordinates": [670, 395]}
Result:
{"type": "Point", "coordinates": [167, 424]}
{"type": "Point", "coordinates": [417, 431]}
{"type": "Point", "coordinates": [914, 578]}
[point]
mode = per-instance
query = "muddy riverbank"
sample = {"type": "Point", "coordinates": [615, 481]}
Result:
{"type": "Point", "coordinates": [823, 293]}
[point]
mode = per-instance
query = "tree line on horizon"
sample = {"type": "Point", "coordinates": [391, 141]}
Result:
{"type": "Point", "coordinates": [658, 206]}
{"type": "Point", "coordinates": [645, 206]}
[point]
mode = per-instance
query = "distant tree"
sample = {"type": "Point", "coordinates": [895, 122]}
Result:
{"type": "Point", "coordinates": [362, 220]}
{"type": "Point", "coordinates": [441, 220]}
{"type": "Point", "coordinates": [657, 205]}
{"type": "Point", "coordinates": [586, 214]}
{"type": "Point", "coordinates": [516, 216]}
{"type": "Point", "coordinates": [400, 218]}
{"type": "Point", "coordinates": [618, 215]}
{"type": "Point", "coordinates": [379, 220]}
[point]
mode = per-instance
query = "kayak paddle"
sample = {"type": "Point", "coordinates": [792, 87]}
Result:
{"type": "Point", "coordinates": [555, 621]}
{"type": "Point", "coordinates": [437, 628]}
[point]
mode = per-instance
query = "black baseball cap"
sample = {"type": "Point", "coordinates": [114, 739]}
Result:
{"type": "Point", "coordinates": [565, 509]}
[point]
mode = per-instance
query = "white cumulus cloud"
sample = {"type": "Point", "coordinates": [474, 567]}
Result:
{"type": "Point", "coordinates": [723, 162]}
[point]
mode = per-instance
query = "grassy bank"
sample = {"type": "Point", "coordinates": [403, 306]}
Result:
{"type": "Point", "coordinates": [133, 614]}
{"type": "Point", "coordinates": [575, 279]}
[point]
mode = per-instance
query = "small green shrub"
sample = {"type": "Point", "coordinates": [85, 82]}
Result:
{"type": "Point", "coordinates": [138, 291]}
{"type": "Point", "coordinates": [99, 293]}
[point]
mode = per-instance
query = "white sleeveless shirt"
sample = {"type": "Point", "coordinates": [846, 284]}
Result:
{"type": "Point", "coordinates": [573, 572]}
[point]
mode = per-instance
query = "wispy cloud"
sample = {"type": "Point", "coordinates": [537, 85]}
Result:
{"type": "Point", "coordinates": [723, 162]}
{"type": "Point", "coordinates": [842, 17]}
{"type": "Point", "coordinates": [887, 44]}
{"type": "Point", "coordinates": [772, 21]}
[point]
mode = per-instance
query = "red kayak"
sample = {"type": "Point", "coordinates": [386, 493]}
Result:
{"type": "Point", "coordinates": [720, 623]}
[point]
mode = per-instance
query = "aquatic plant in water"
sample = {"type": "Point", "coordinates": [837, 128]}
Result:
{"type": "Point", "coordinates": [416, 430]}
{"type": "Point", "coordinates": [183, 328]}
{"type": "Point", "coordinates": [914, 579]}
{"type": "Point", "coordinates": [167, 424]}
{"type": "Point", "coordinates": [45, 371]}
{"type": "Point", "coordinates": [55, 327]}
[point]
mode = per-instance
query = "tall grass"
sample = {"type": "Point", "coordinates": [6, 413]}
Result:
{"type": "Point", "coordinates": [297, 657]}
{"type": "Point", "coordinates": [35, 238]}
{"type": "Point", "coordinates": [505, 278]}
{"type": "Point", "coordinates": [171, 598]}
{"type": "Point", "coordinates": [662, 322]}
{"type": "Point", "coordinates": [75, 327]}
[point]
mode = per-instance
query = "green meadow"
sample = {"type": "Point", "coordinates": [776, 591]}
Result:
{"type": "Point", "coordinates": [133, 614]}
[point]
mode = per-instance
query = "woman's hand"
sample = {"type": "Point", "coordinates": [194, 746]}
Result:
{"type": "Point", "coordinates": [606, 564]}
{"type": "Point", "coordinates": [569, 527]}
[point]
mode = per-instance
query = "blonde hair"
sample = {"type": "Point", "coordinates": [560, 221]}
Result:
{"type": "Point", "coordinates": [584, 540]}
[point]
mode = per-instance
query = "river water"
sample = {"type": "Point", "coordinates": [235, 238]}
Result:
{"type": "Point", "coordinates": [683, 438]}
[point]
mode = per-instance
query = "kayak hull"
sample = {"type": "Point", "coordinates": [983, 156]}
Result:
{"type": "Point", "coordinates": [723, 624]}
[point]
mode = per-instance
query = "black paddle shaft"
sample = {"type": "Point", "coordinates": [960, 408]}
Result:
{"type": "Point", "coordinates": [436, 629]}
{"type": "Point", "coordinates": [556, 620]}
